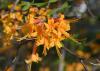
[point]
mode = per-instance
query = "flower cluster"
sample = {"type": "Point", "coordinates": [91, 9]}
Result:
{"type": "Point", "coordinates": [36, 24]}
{"type": "Point", "coordinates": [47, 31]}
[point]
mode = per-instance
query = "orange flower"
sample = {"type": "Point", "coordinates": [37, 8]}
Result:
{"type": "Point", "coordinates": [18, 16]}
{"type": "Point", "coordinates": [38, 25]}
{"type": "Point", "coordinates": [27, 28]}
{"type": "Point", "coordinates": [34, 58]}
{"type": "Point", "coordinates": [53, 34]}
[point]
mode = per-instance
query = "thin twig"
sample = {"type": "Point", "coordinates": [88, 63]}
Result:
{"type": "Point", "coordinates": [82, 62]}
{"type": "Point", "coordinates": [98, 60]}
{"type": "Point", "coordinates": [70, 52]}
{"type": "Point", "coordinates": [94, 64]}
{"type": "Point", "coordinates": [74, 40]}
{"type": "Point", "coordinates": [48, 5]}
{"type": "Point", "coordinates": [79, 58]}
{"type": "Point", "coordinates": [88, 9]}
{"type": "Point", "coordinates": [15, 60]}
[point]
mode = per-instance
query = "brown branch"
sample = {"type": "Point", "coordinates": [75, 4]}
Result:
{"type": "Point", "coordinates": [21, 54]}
{"type": "Point", "coordinates": [88, 9]}
{"type": "Point", "coordinates": [81, 60]}
{"type": "Point", "coordinates": [94, 64]}
{"type": "Point", "coordinates": [98, 60]}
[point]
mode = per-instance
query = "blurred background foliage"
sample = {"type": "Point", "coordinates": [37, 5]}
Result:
{"type": "Point", "coordinates": [86, 31]}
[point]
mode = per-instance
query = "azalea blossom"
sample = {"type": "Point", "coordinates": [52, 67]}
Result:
{"type": "Point", "coordinates": [39, 26]}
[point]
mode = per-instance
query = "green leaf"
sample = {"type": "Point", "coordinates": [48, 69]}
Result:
{"type": "Point", "coordinates": [43, 4]}
{"type": "Point", "coordinates": [60, 9]}
{"type": "Point", "coordinates": [26, 6]}
{"type": "Point", "coordinates": [3, 4]}
{"type": "Point", "coordinates": [52, 1]}
{"type": "Point", "coordinates": [64, 6]}
{"type": "Point", "coordinates": [39, 4]}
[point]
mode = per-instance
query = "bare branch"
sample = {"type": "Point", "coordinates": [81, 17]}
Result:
{"type": "Point", "coordinates": [88, 9]}
{"type": "Point", "coordinates": [48, 4]}
{"type": "Point", "coordinates": [94, 64]}
{"type": "Point", "coordinates": [82, 62]}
